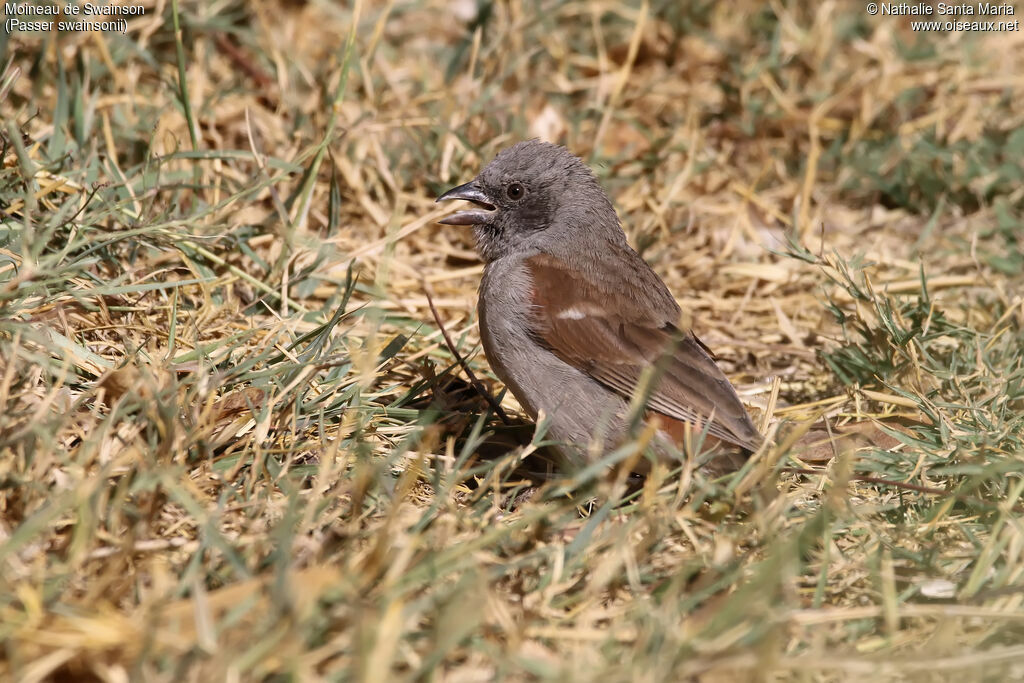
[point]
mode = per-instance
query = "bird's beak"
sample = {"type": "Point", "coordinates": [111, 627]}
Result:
{"type": "Point", "coordinates": [470, 192]}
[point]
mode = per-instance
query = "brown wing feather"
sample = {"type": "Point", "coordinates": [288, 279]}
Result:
{"type": "Point", "coordinates": [613, 337]}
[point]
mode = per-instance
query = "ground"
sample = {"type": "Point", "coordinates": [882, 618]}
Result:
{"type": "Point", "coordinates": [234, 443]}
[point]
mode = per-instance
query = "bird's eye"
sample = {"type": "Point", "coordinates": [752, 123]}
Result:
{"type": "Point", "coordinates": [515, 191]}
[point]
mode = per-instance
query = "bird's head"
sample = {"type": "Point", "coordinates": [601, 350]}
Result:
{"type": "Point", "coordinates": [534, 196]}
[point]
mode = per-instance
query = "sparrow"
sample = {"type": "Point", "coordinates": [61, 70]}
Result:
{"type": "Point", "coordinates": [572, 319]}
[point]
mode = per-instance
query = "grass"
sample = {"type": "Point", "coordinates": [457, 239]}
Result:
{"type": "Point", "coordinates": [234, 443]}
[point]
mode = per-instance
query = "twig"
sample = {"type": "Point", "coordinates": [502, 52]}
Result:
{"type": "Point", "coordinates": [480, 388]}
{"type": "Point", "coordinates": [907, 486]}
{"type": "Point", "coordinates": [242, 60]}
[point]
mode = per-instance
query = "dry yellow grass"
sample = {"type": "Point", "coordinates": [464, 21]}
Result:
{"type": "Point", "coordinates": [234, 445]}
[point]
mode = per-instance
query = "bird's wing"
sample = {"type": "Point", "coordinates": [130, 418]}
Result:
{"type": "Point", "coordinates": [613, 335]}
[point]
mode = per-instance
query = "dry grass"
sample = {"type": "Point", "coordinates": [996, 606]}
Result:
{"type": "Point", "coordinates": [233, 444]}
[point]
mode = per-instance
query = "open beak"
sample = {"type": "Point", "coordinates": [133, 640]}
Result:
{"type": "Point", "coordinates": [469, 192]}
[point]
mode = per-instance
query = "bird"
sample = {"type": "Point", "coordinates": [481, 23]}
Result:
{"type": "Point", "coordinates": [575, 323]}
